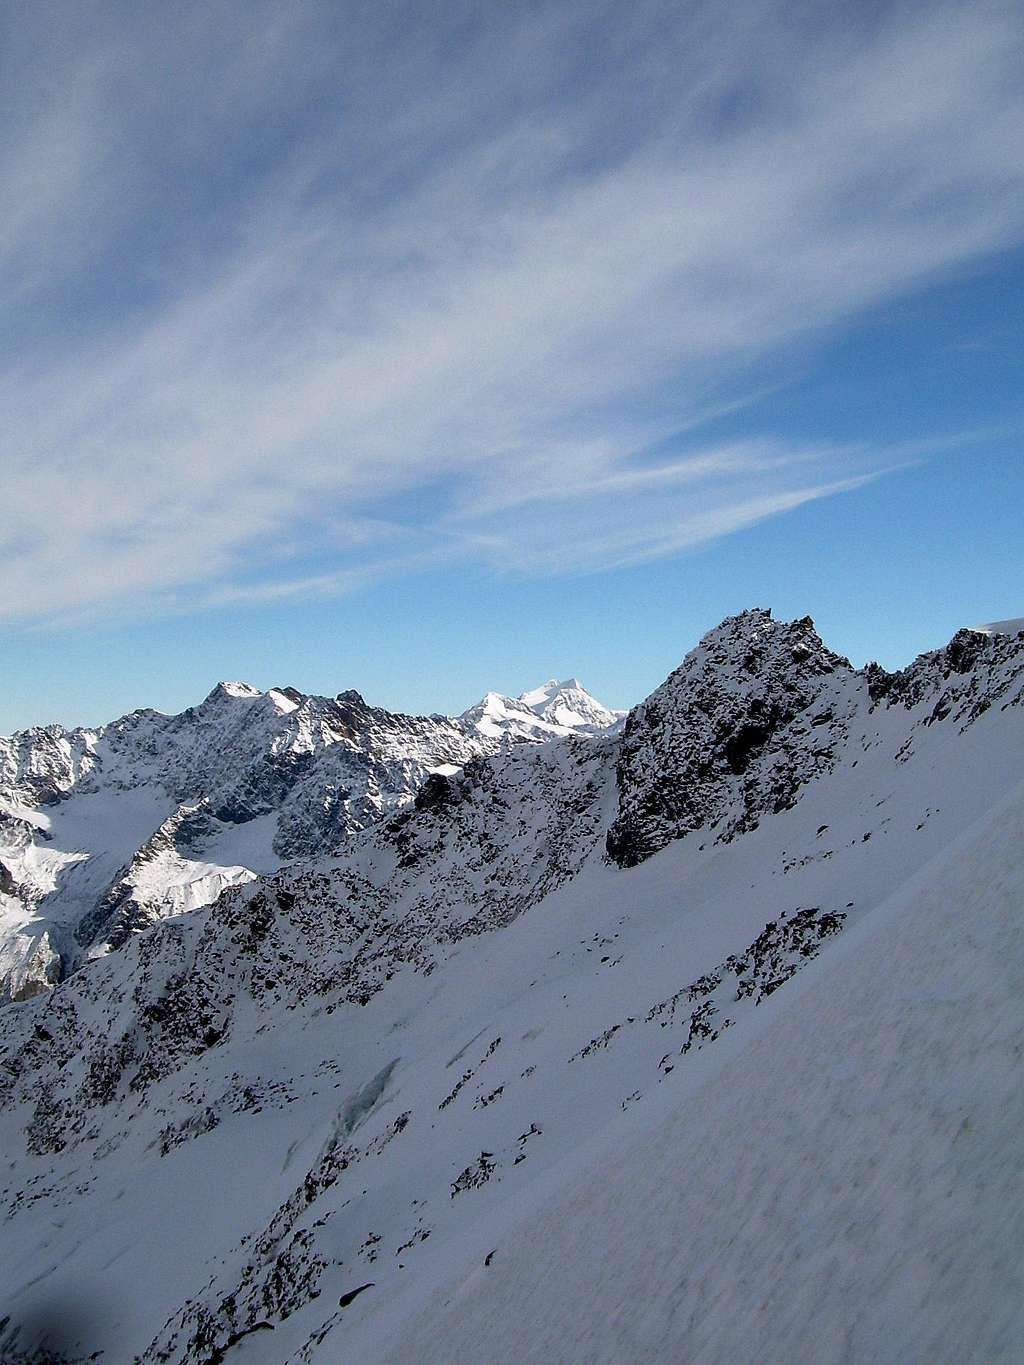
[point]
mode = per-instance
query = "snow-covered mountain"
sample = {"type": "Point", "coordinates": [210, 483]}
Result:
{"type": "Point", "coordinates": [695, 1041]}
{"type": "Point", "coordinates": [570, 705]}
{"type": "Point", "coordinates": [551, 711]}
{"type": "Point", "coordinates": [103, 831]}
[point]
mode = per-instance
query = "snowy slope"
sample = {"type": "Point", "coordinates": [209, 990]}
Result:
{"type": "Point", "coordinates": [841, 1184]}
{"type": "Point", "coordinates": [666, 1078]}
{"type": "Point", "coordinates": [104, 831]}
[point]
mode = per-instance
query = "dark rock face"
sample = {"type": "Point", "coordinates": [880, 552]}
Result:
{"type": "Point", "coordinates": [8, 885]}
{"type": "Point", "coordinates": [438, 790]}
{"type": "Point", "coordinates": [757, 709]}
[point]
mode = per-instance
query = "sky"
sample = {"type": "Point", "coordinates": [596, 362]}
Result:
{"type": "Point", "coordinates": [433, 349]}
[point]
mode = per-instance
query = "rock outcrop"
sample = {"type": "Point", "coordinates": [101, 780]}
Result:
{"type": "Point", "coordinates": [756, 710]}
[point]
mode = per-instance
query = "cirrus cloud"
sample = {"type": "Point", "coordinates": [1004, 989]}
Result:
{"type": "Point", "coordinates": [304, 297]}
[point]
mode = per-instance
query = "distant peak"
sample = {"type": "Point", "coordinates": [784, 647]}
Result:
{"type": "Point", "coordinates": [233, 689]}
{"type": "Point", "coordinates": [566, 704]}
{"type": "Point", "coordinates": [538, 696]}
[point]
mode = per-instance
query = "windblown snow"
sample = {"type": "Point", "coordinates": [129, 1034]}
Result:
{"type": "Point", "coordinates": [1012, 627]}
{"type": "Point", "coordinates": [694, 1040]}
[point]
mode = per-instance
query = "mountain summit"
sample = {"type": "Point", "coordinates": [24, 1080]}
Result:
{"type": "Point", "coordinates": [569, 704]}
{"type": "Point", "coordinates": [553, 710]}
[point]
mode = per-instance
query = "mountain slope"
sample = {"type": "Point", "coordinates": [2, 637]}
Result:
{"type": "Point", "coordinates": [843, 1187]}
{"type": "Point", "coordinates": [313, 1110]}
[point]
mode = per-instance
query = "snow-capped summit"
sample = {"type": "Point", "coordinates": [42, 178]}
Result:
{"type": "Point", "coordinates": [569, 704]}
{"type": "Point", "coordinates": [225, 690]}
{"type": "Point", "coordinates": [504, 720]}
{"type": "Point", "coordinates": [553, 710]}
{"type": "Point", "coordinates": [540, 697]}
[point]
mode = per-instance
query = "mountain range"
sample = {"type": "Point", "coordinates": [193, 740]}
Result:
{"type": "Point", "coordinates": [694, 1036]}
{"type": "Point", "coordinates": [104, 831]}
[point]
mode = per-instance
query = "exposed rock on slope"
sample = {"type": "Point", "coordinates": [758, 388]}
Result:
{"type": "Point", "coordinates": [841, 1187]}
{"type": "Point", "coordinates": [965, 678]}
{"type": "Point", "coordinates": [762, 707]}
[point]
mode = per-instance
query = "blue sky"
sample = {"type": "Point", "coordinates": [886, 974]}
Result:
{"type": "Point", "coordinates": [427, 349]}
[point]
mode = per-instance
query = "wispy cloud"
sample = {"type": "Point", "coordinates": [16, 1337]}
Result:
{"type": "Point", "coordinates": [303, 295]}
